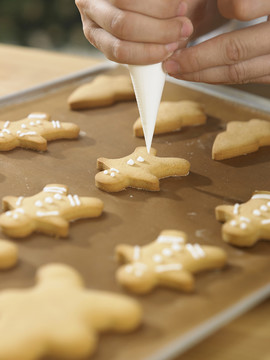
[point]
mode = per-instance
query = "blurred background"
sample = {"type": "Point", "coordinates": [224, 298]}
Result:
{"type": "Point", "coordinates": [47, 24]}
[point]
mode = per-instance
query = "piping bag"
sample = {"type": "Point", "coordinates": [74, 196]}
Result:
{"type": "Point", "coordinates": [148, 82]}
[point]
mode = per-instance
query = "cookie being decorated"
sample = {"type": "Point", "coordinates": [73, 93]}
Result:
{"type": "Point", "coordinates": [245, 224]}
{"type": "Point", "coordinates": [34, 131]}
{"type": "Point", "coordinates": [141, 170]}
{"type": "Point", "coordinates": [173, 115]}
{"type": "Point", "coordinates": [168, 261]}
{"type": "Point", "coordinates": [59, 317]}
{"type": "Point", "coordinates": [103, 91]}
{"type": "Point", "coordinates": [240, 138]}
{"type": "Point", "coordinates": [48, 212]}
{"type": "Point", "coordinates": [8, 254]}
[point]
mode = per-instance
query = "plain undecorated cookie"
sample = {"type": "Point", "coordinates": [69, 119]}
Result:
{"type": "Point", "coordinates": [240, 138]}
{"type": "Point", "coordinates": [173, 115]}
{"type": "Point", "coordinates": [59, 317]}
{"type": "Point", "coordinates": [169, 261]}
{"type": "Point", "coordinates": [104, 90]}
{"type": "Point", "coordinates": [138, 170]}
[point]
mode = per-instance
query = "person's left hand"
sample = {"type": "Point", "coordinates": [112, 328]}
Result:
{"type": "Point", "coordinates": [240, 56]}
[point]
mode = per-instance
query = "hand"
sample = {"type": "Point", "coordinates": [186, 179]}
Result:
{"type": "Point", "coordinates": [135, 31]}
{"type": "Point", "coordinates": [240, 56]}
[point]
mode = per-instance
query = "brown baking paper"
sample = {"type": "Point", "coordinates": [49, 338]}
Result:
{"type": "Point", "coordinates": [136, 217]}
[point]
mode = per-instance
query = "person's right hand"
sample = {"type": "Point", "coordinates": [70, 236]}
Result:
{"type": "Point", "coordinates": [137, 32]}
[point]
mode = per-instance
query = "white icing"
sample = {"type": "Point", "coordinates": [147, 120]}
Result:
{"type": "Point", "coordinates": [56, 124]}
{"type": "Point", "coordinates": [176, 247]}
{"type": "Point", "coordinates": [57, 196]}
{"type": "Point", "coordinates": [140, 159]}
{"type": "Point", "coordinates": [168, 267]}
{"type": "Point", "coordinates": [36, 116]}
{"type": "Point", "coordinates": [195, 250]}
{"type": "Point", "coordinates": [48, 213]}
{"type": "Point", "coordinates": [268, 203]}
{"type": "Point", "coordinates": [18, 132]}
{"type": "Point", "coordinates": [6, 131]}
{"type": "Point", "coordinates": [77, 200]}
{"type": "Point", "coordinates": [49, 200]}
{"type": "Point", "coordinates": [256, 212]}
{"type": "Point", "coordinates": [39, 203]}
{"type": "Point", "coordinates": [71, 200]}
{"type": "Point", "coordinates": [106, 172]}
{"type": "Point", "coordinates": [32, 123]}
{"type": "Point", "coordinates": [236, 209]}
{"type": "Point", "coordinates": [23, 126]}
{"type": "Point", "coordinates": [266, 221]}
{"type": "Point", "coordinates": [261, 196]}
{"type": "Point", "coordinates": [28, 133]}
{"type": "Point", "coordinates": [233, 223]}
{"type": "Point", "coordinates": [55, 189]}
{"type": "Point", "coordinates": [130, 162]}
{"type": "Point", "coordinates": [1, 134]}
{"type": "Point", "coordinates": [243, 225]}
{"type": "Point", "coordinates": [137, 252]}
{"type": "Point", "coordinates": [129, 269]}
{"type": "Point", "coordinates": [157, 258]}
{"type": "Point", "coordinates": [20, 210]}
{"type": "Point", "coordinates": [115, 170]}
{"type": "Point", "coordinates": [167, 252]}
{"type": "Point", "coordinates": [263, 208]}
{"type": "Point", "coordinates": [112, 174]}
{"type": "Point", "coordinates": [170, 239]}
{"type": "Point", "coordinates": [6, 124]}
{"type": "Point", "coordinates": [139, 269]}
{"type": "Point", "coordinates": [8, 213]}
{"type": "Point", "coordinates": [38, 122]}
{"type": "Point", "coordinates": [243, 218]}
{"type": "Point", "coordinates": [15, 216]}
{"type": "Point", "coordinates": [19, 201]}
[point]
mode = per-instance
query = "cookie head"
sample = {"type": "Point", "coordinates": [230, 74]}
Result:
{"type": "Point", "coordinates": [17, 221]}
{"type": "Point", "coordinates": [112, 179]}
{"type": "Point", "coordinates": [238, 231]}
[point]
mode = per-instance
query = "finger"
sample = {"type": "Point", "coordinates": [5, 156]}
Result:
{"type": "Point", "coordinates": [244, 10]}
{"type": "Point", "coordinates": [261, 80]}
{"type": "Point", "coordinates": [161, 9]}
{"type": "Point", "coordinates": [131, 26]}
{"type": "Point", "coordinates": [240, 73]}
{"type": "Point", "coordinates": [126, 52]}
{"type": "Point", "coordinates": [226, 49]}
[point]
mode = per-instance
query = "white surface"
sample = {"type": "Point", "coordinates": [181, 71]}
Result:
{"type": "Point", "coordinates": [148, 82]}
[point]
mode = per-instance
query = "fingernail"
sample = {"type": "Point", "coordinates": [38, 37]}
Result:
{"type": "Point", "coordinates": [171, 48]}
{"type": "Point", "coordinates": [171, 67]}
{"type": "Point", "coordinates": [187, 30]}
{"type": "Point", "coordinates": [182, 9]}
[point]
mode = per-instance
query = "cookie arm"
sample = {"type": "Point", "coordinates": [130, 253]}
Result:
{"type": "Point", "coordinates": [124, 253]}
{"type": "Point", "coordinates": [224, 212]}
{"type": "Point", "coordinates": [180, 280]}
{"type": "Point", "coordinates": [35, 142]}
{"type": "Point", "coordinates": [9, 202]}
{"type": "Point", "coordinates": [173, 167]}
{"type": "Point", "coordinates": [53, 225]}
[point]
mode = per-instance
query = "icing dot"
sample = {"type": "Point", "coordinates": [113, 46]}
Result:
{"type": "Point", "coordinates": [112, 174]}
{"type": "Point", "coordinates": [49, 200]}
{"type": "Point", "coordinates": [243, 225]}
{"type": "Point", "coordinates": [38, 122]}
{"type": "Point", "coordinates": [32, 123]}
{"type": "Point", "coordinates": [167, 252]}
{"type": "Point", "coordinates": [15, 216]}
{"type": "Point", "coordinates": [57, 196]}
{"type": "Point", "coordinates": [19, 131]}
{"type": "Point", "coordinates": [233, 223]}
{"type": "Point", "coordinates": [106, 172]}
{"type": "Point", "coordinates": [264, 208]}
{"type": "Point", "coordinates": [176, 247]}
{"type": "Point", "coordinates": [157, 258]}
{"type": "Point", "coordinates": [256, 212]}
{"type": "Point", "coordinates": [268, 203]}
{"type": "Point", "coordinates": [23, 126]}
{"type": "Point", "coordinates": [128, 269]}
{"type": "Point", "coordinates": [38, 203]}
{"type": "Point", "coordinates": [1, 134]}
{"type": "Point", "coordinates": [130, 162]}
{"type": "Point", "coordinates": [140, 159]}
{"type": "Point", "coordinates": [8, 213]}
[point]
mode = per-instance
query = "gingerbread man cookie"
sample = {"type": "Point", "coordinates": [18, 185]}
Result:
{"type": "Point", "coordinates": [8, 254]}
{"type": "Point", "coordinates": [246, 223]}
{"type": "Point", "coordinates": [139, 170]}
{"type": "Point", "coordinates": [168, 261]}
{"type": "Point", "coordinates": [34, 131]}
{"type": "Point", "coordinates": [59, 317]}
{"type": "Point", "coordinates": [103, 91]}
{"type": "Point", "coordinates": [241, 138]}
{"type": "Point", "coordinates": [173, 115]}
{"type": "Point", "coordinates": [48, 212]}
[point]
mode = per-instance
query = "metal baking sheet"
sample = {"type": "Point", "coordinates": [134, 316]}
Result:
{"type": "Point", "coordinates": [173, 321]}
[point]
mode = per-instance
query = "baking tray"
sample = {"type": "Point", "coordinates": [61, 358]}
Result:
{"type": "Point", "coordinates": [173, 321]}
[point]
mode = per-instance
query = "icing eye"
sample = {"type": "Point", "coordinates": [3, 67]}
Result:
{"type": "Point", "coordinates": [256, 212]}
{"type": "Point", "coordinates": [23, 126]}
{"type": "Point", "coordinates": [49, 200]}
{"type": "Point", "coordinates": [176, 247]}
{"type": "Point", "coordinates": [263, 208]}
{"type": "Point", "coordinates": [112, 174]}
{"type": "Point", "coordinates": [38, 203]}
{"type": "Point", "coordinates": [130, 162]}
{"type": "Point", "coordinates": [157, 258]}
{"type": "Point", "coordinates": [106, 172]}
{"type": "Point", "coordinates": [233, 223]}
{"type": "Point", "coordinates": [140, 159]}
{"type": "Point", "coordinates": [243, 225]}
{"type": "Point", "coordinates": [57, 196]}
{"type": "Point", "coordinates": [167, 252]}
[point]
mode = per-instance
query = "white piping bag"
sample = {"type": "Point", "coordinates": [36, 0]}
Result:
{"type": "Point", "coordinates": [148, 82]}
